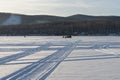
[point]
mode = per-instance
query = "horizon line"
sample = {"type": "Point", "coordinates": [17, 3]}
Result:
{"type": "Point", "coordinates": [57, 15]}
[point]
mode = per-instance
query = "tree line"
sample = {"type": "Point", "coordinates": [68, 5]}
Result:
{"type": "Point", "coordinates": [96, 27]}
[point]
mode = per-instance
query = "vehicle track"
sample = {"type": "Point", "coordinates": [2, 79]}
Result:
{"type": "Point", "coordinates": [41, 69]}
{"type": "Point", "coordinates": [23, 54]}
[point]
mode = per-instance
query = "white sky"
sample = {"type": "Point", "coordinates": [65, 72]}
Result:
{"type": "Point", "coordinates": [61, 7]}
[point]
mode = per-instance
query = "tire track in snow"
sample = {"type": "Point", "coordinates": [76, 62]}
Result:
{"type": "Point", "coordinates": [23, 54]}
{"type": "Point", "coordinates": [42, 68]}
{"type": "Point", "coordinates": [102, 48]}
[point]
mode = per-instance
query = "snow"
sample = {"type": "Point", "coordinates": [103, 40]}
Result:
{"type": "Point", "coordinates": [18, 47]}
{"type": "Point", "coordinates": [87, 70]}
{"type": "Point", "coordinates": [3, 54]}
{"type": "Point", "coordinates": [56, 58]}
{"type": "Point", "coordinates": [13, 20]}
{"type": "Point", "coordinates": [109, 51]}
{"type": "Point", "coordinates": [56, 47]}
{"type": "Point", "coordinates": [9, 69]}
{"type": "Point", "coordinates": [35, 57]}
{"type": "Point", "coordinates": [13, 66]}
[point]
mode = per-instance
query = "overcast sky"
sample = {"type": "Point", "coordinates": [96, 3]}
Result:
{"type": "Point", "coordinates": [61, 7]}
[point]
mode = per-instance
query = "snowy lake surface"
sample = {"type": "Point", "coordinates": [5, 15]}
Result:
{"type": "Point", "coordinates": [57, 58]}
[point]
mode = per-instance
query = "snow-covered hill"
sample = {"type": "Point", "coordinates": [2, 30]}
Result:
{"type": "Point", "coordinates": [13, 20]}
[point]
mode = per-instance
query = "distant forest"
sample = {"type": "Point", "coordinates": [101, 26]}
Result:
{"type": "Point", "coordinates": [95, 27]}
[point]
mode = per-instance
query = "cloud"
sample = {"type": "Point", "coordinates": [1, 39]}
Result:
{"type": "Point", "coordinates": [80, 5]}
{"type": "Point", "coordinates": [61, 7]}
